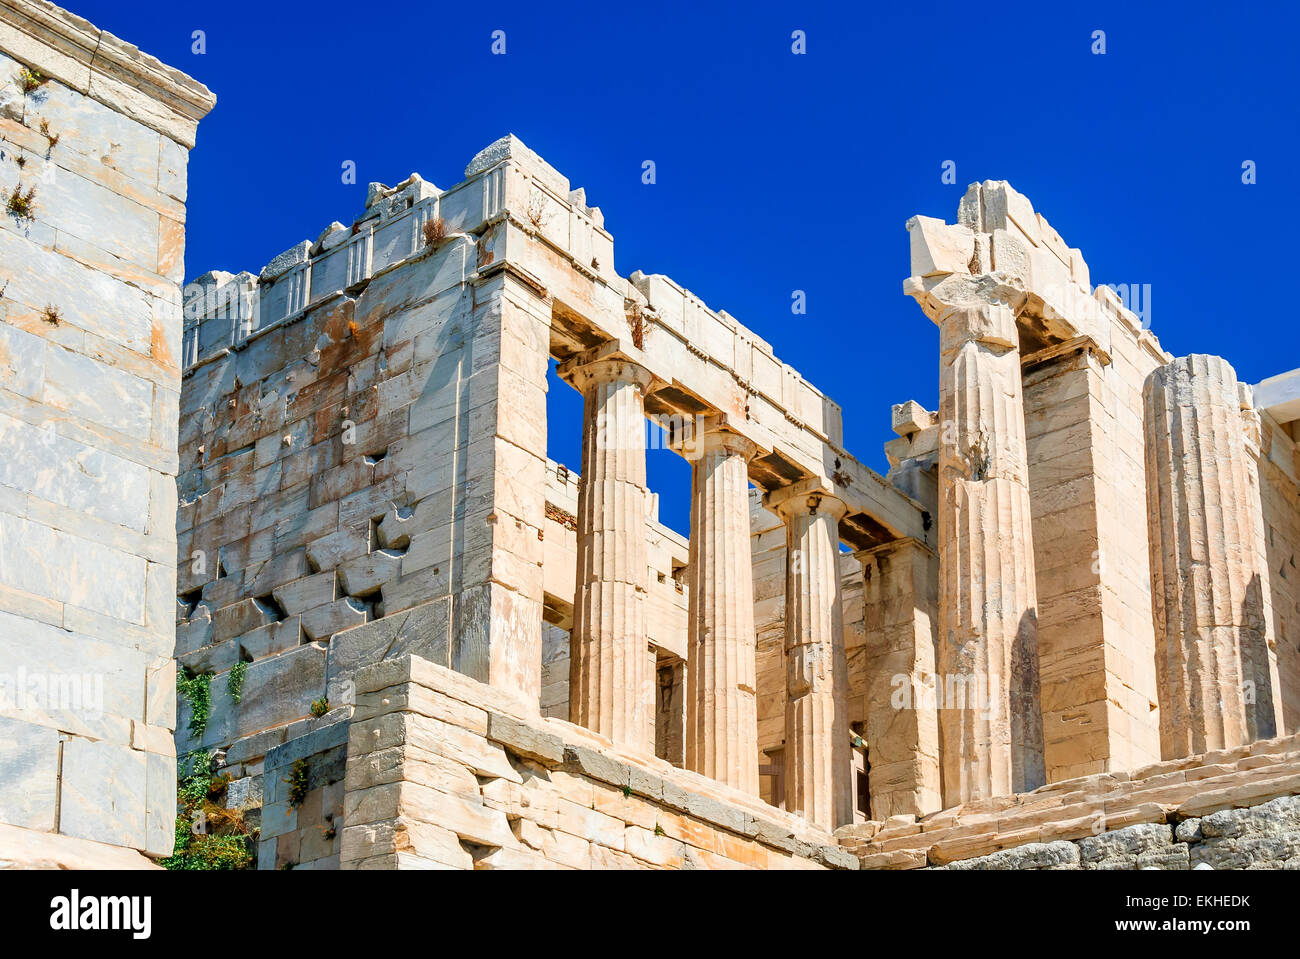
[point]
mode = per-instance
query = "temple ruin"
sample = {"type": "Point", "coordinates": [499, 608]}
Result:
{"type": "Point", "coordinates": [1033, 593]}
{"type": "Point", "coordinates": [1062, 631]}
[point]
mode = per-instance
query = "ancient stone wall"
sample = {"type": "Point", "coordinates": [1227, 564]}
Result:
{"type": "Point", "coordinates": [1279, 483]}
{"type": "Point", "coordinates": [444, 771]}
{"type": "Point", "coordinates": [301, 786]}
{"type": "Point", "coordinates": [94, 143]}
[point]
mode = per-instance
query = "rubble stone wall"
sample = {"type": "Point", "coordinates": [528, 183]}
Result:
{"type": "Point", "coordinates": [446, 772]}
{"type": "Point", "coordinates": [1236, 808]}
{"type": "Point", "coordinates": [1259, 837]}
{"type": "Point", "coordinates": [94, 146]}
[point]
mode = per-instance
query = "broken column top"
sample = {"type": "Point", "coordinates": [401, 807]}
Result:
{"type": "Point", "coordinates": [1001, 249]}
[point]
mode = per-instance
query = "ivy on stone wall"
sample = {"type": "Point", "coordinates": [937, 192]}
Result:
{"type": "Point", "coordinates": [197, 688]}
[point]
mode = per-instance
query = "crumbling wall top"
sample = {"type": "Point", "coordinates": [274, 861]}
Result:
{"type": "Point", "coordinates": [95, 63]}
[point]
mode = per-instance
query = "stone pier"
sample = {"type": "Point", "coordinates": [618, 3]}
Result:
{"type": "Point", "coordinates": [609, 673]}
{"type": "Point", "coordinates": [721, 715]}
{"type": "Point", "coordinates": [95, 137]}
{"type": "Point", "coordinates": [817, 759]}
{"type": "Point", "coordinates": [1207, 582]}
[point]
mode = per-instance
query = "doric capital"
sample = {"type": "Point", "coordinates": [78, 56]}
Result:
{"type": "Point", "coordinates": [804, 498]}
{"type": "Point", "coordinates": [992, 323]}
{"type": "Point", "coordinates": [612, 369]}
{"type": "Point", "coordinates": [696, 435]}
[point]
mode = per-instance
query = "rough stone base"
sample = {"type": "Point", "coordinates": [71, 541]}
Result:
{"type": "Point", "coordinates": [1261, 837]}
{"type": "Point", "coordinates": [29, 849]}
{"type": "Point", "coordinates": [1232, 809]}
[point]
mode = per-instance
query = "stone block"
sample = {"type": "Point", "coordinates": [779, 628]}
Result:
{"type": "Point", "coordinates": [101, 792]}
{"type": "Point", "coordinates": [29, 774]}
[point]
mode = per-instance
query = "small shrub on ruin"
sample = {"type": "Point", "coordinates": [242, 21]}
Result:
{"type": "Point", "coordinates": [21, 205]}
{"type": "Point", "coordinates": [639, 326]}
{"type": "Point", "coordinates": [29, 81]}
{"type": "Point", "coordinates": [208, 835]}
{"type": "Point", "coordinates": [435, 232]}
{"type": "Point", "coordinates": [51, 316]}
{"type": "Point", "coordinates": [49, 134]}
{"type": "Point", "coordinates": [319, 707]}
{"type": "Point", "coordinates": [297, 781]}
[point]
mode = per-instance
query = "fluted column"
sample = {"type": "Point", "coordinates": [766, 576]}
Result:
{"type": "Point", "coordinates": [721, 710]}
{"type": "Point", "coordinates": [818, 764]}
{"type": "Point", "coordinates": [987, 656]}
{"type": "Point", "coordinates": [899, 618]}
{"type": "Point", "coordinates": [1207, 578]}
{"type": "Point", "coordinates": [609, 673]}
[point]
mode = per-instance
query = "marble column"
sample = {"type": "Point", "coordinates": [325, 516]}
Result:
{"type": "Point", "coordinates": [987, 655]}
{"type": "Point", "coordinates": [721, 708]}
{"type": "Point", "coordinates": [1208, 581]}
{"type": "Point", "coordinates": [900, 593]}
{"type": "Point", "coordinates": [818, 764]}
{"type": "Point", "coordinates": [610, 677]}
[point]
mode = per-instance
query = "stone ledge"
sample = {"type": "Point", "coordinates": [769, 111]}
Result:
{"type": "Point", "coordinates": [30, 849]}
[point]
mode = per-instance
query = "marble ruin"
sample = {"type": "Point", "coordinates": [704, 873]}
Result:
{"type": "Point", "coordinates": [1063, 631]}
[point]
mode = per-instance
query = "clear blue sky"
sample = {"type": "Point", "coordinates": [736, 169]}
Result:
{"type": "Point", "coordinates": [779, 172]}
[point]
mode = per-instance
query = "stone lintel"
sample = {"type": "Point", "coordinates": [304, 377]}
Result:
{"type": "Point", "coordinates": [1279, 396]}
{"type": "Point", "coordinates": [1076, 345]}
{"type": "Point", "coordinates": [893, 546]}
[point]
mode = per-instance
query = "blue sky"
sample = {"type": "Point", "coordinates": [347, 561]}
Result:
{"type": "Point", "coordinates": [779, 172]}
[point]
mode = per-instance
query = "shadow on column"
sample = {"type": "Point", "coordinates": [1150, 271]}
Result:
{"type": "Point", "coordinates": [1028, 769]}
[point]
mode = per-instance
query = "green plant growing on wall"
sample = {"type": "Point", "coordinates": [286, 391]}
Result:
{"type": "Point", "coordinates": [29, 80]}
{"type": "Point", "coordinates": [319, 707]}
{"type": "Point", "coordinates": [208, 835]}
{"type": "Point", "coordinates": [194, 776]}
{"type": "Point", "coordinates": [235, 681]}
{"type": "Point", "coordinates": [297, 781]}
{"type": "Point", "coordinates": [197, 688]}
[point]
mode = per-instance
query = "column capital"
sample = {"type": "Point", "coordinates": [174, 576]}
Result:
{"type": "Point", "coordinates": [710, 432]}
{"type": "Point", "coordinates": [807, 496]}
{"type": "Point", "coordinates": [584, 370]}
{"type": "Point", "coordinates": [992, 323]}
